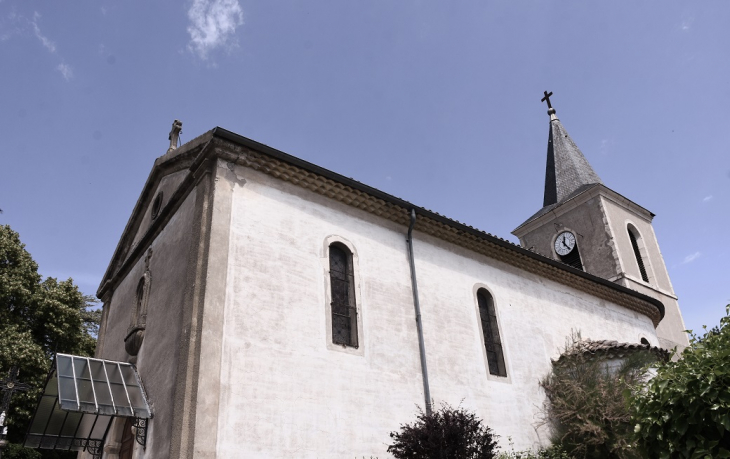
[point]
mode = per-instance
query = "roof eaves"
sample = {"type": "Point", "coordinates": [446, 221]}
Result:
{"type": "Point", "coordinates": [310, 167]}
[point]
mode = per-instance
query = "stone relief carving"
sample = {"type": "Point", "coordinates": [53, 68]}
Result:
{"type": "Point", "coordinates": [135, 332]}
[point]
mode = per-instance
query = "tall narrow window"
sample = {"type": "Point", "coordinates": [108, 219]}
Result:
{"type": "Point", "coordinates": [637, 254]}
{"type": "Point", "coordinates": [344, 310]}
{"type": "Point", "coordinates": [492, 343]}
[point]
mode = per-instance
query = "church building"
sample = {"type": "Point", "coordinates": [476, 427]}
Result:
{"type": "Point", "coordinates": [275, 309]}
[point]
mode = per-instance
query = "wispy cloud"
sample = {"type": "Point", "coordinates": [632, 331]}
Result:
{"type": "Point", "coordinates": [707, 198]}
{"type": "Point", "coordinates": [49, 45]}
{"type": "Point", "coordinates": [9, 26]}
{"type": "Point", "coordinates": [66, 71]}
{"type": "Point", "coordinates": [213, 25]}
{"type": "Point", "coordinates": [691, 258]}
{"type": "Point", "coordinates": [16, 24]}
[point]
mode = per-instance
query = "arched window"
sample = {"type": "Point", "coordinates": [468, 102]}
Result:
{"type": "Point", "coordinates": [644, 341]}
{"type": "Point", "coordinates": [637, 254]}
{"type": "Point", "coordinates": [492, 343]}
{"type": "Point", "coordinates": [344, 309]}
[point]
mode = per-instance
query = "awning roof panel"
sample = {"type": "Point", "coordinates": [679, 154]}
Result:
{"type": "Point", "coordinates": [100, 386]}
{"type": "Point", "coordinates": [81, 398]}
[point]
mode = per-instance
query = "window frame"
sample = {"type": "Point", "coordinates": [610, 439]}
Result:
{"type": "Point", "coordinates": [354, 288]}
{"type": "Point", "coordinates": [640, 253]}
{"type": "Point", "coordinates": [507, 377]}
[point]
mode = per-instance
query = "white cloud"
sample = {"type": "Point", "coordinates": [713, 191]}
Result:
{"type": "Point", "coordinates": [707, 198]}
{"type": "Point", "coordinates": [687, 23]}
{"type": "Point", "coordinates": [10, 25]}
{"type": "Point", "coordinates": [691, 258]}
{"type": "Point", "coordinates": [50, 46]}
{"type": "Point", "coordinates": [66, 71]}
{"type": "Point", "coordinates": [213, 25]}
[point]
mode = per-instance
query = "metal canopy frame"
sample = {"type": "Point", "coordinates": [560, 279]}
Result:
{"type": "Point", "coordinates": [82, 396]}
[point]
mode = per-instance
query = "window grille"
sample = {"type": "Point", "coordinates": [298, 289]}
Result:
{"type": "Point", "coordinates": [490, 329]}
{"type": "Point", "coordinates": [637, 254]}
{"type": "Point", "coordinates": [344, 309]}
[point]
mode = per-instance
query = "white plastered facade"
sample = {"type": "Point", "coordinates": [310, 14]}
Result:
{"type": "Point", "coordinates": [274, 384]}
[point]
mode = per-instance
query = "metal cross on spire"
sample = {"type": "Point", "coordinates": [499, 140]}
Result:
{"type": "Point", "coordinates": [547, 98]}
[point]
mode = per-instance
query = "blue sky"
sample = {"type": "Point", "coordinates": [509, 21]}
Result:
{"type": "Point", "coordinates": [434, 102]}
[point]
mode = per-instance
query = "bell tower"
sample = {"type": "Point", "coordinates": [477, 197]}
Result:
{"type": "Point", "coordinates": [590, 227]}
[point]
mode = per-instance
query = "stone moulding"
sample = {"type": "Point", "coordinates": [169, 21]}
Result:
{"type": "Point", "coordinates": [223, 144]}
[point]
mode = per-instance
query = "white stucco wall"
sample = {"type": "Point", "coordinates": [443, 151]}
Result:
{"type": "Point", "coordinates": [283, 392]}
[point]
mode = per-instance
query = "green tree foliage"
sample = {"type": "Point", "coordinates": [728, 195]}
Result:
{"type": "Point", "coordinates": [585, 408]}
{"type": "Point", "coordinates": [448, 433]}
{"type": "Point", "coordinates": [38, 317]}
{"type": "Point", "coordinates": [684, 411]}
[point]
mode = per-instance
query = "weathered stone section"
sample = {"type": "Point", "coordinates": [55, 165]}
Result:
{"type": "Point", "coordinates": [283, 393]}
{"type": "Point", "coordinates": [167, 187]}
{"type": "Point", "coordinates": [592, 236]}
{"type": "Point", "coordinates": [158, 356]}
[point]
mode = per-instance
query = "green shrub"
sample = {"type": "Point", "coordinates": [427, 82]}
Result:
{"type": "Point", "coordinates": [585, 406]}
{"type": "Point", "coordinates": [553, 452]}
{"type": "Point", "coordinates": [449, 433]}
{"type": "Point", "coordinates": [684, 411]}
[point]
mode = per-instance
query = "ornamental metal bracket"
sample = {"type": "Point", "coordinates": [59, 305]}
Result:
{"type": "Point", "coordinates": [95, 447]}
{"type": "Point", "coordinates": [140, 429]}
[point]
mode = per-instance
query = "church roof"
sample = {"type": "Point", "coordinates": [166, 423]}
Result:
{"type": "Point", "coordinates": [236, 149]}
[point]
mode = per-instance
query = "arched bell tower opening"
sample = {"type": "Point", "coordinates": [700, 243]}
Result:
{"type": "Point", "coordinates": [637, 245]}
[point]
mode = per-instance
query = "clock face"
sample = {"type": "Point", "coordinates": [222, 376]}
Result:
{"type": "Point", "coordinates": [565, 243]}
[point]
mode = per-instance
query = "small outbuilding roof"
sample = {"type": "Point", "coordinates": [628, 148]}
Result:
{"type": "Point", "coordinates": [607, 350]}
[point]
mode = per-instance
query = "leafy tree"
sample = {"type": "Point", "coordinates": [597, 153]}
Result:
{"type": "Point", "coordinates": [38, 317]}
{"type": "Point", "coordinates": [684, 411]}
{"type": "Point", "coordinates": [449, 433]}
{"type": "Point", "coordinates": [585, 407]}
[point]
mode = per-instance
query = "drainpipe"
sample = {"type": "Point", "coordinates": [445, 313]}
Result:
{"type": "Point", "coordinates": [417, 306]}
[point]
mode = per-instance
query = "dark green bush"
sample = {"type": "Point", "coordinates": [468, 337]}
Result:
{"type": "Point", "coordinates": [448, 433]}
{"type": "Point", "coordinates": [684, 411]}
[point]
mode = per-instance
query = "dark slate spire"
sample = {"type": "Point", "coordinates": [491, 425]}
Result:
{"type": "Point", "coordinates": [567, 169]}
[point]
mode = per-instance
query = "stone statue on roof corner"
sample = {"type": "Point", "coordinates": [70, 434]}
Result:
{"type": "Point", "coordinates": [174, 134]}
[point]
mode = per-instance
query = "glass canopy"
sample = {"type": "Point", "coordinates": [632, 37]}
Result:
{"type": "Point", "coordinates": [81, 398]}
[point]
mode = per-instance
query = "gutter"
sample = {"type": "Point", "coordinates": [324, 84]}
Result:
{"type": "Point", "coordinates": [417, 307]}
